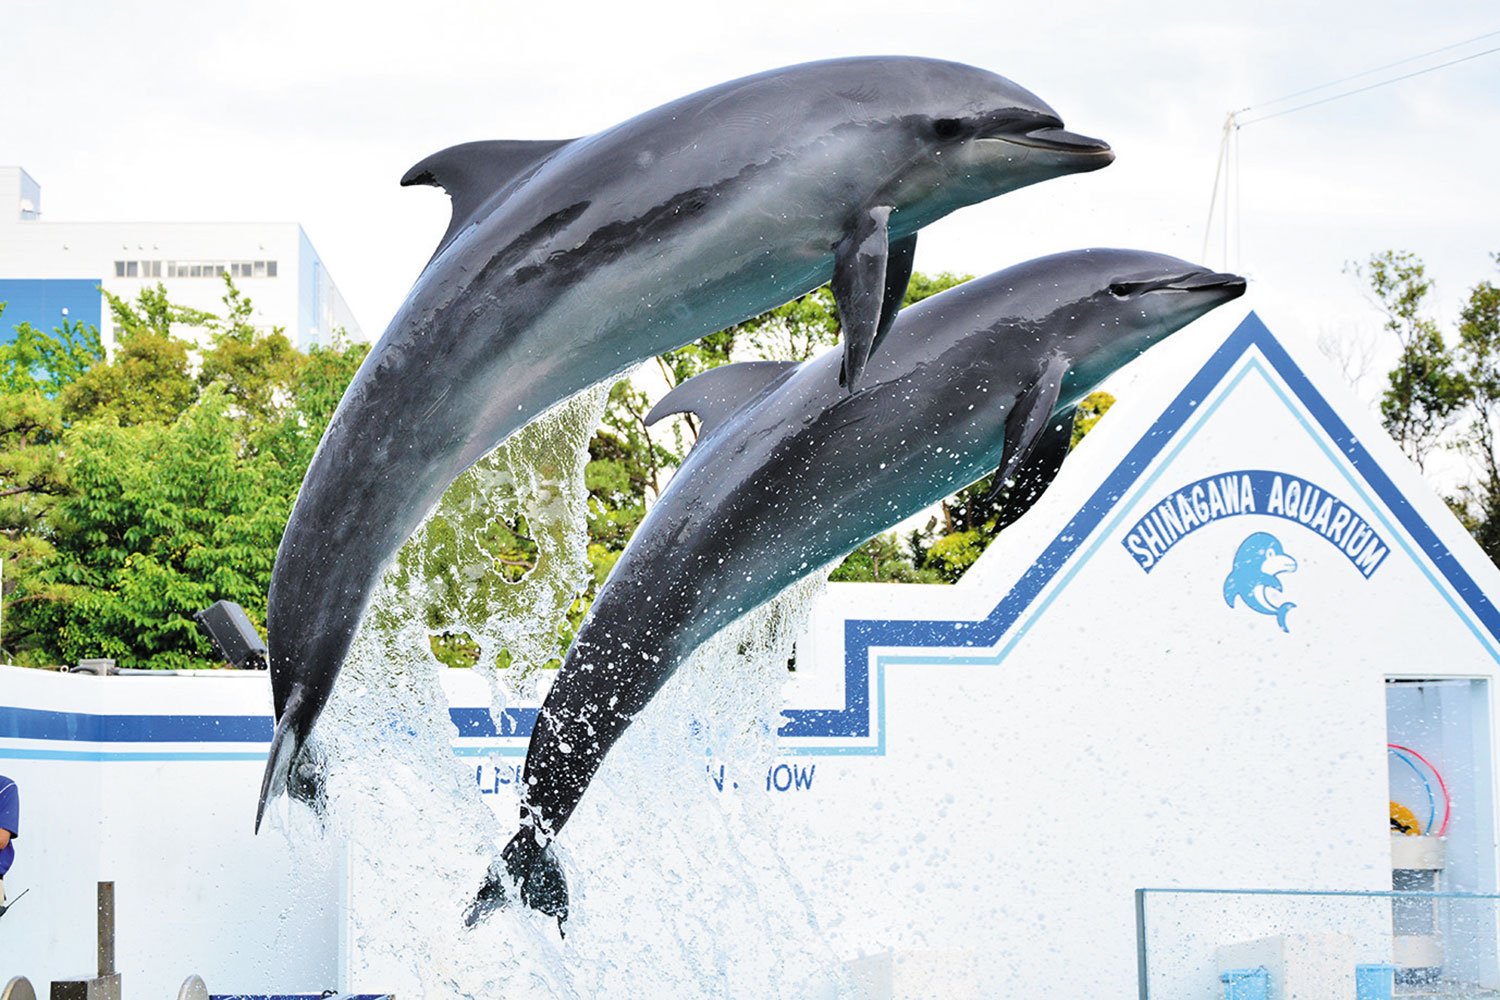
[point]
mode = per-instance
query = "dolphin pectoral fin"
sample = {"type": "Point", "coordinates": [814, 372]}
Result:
{"type": "Point", "coordinates": [1036, 472]}
{"type": "Point", "coordinates": [861, 262]}
{"type": "Point", "coordinates": [898, 264]}
{"type": "Point", "coordinates": [473, 172]}
{"type": "Point", "coordinates": [717, 394]}
{"type": "Point", "coordinates": [1029, 422]}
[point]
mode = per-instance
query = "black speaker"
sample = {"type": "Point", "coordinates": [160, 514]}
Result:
{"type": "Point", "coordinates": [229, 629]}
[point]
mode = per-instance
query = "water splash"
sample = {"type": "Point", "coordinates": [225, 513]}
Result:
{"type": "Point", "coordinates": [679, 887]}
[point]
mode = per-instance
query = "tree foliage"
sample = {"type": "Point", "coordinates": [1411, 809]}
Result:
{"type": "Point", "coordinates": [1425, 391]}
{"type": "Point", "coordinates": [138, 488]}
{"type": "Point", "coordinates": [1439, 395]}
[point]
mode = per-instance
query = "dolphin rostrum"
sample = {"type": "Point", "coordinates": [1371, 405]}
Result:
{"type": "Point", "coordinates": [791, 472]}
{"type": "Point", "coordinates": [566, 262]}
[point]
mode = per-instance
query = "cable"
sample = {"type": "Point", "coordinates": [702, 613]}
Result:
{"type": "Point", "coordinates": [1377, 69]}
{"type": "Point", "coordinates": [1361, 90]}
{"type": "Point", "coordinates": [1431, 806]}
{"type": "Point", "coordinates": [1213, 198]}
{"type": "Point", "coordinates": [1447, 799]}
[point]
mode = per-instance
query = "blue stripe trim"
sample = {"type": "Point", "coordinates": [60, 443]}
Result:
{"type": "Point", "coordinates": [99, 756]}
{"type": "Point", "coordinates": [40, 724]}
{"type": "Point", "coordinates": [859, 718]}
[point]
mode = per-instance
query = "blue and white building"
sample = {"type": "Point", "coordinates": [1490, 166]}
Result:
{"type": "Point", "coordinates": [52, 271]}
{"type": "Point", "coordinates": [1157, 742]}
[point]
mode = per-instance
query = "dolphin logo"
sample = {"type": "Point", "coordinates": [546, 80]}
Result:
{"type": "Point", "coordinates": [791, 472]}
{"type": "Point", "coordinates": [1258, 565]}
{"type": "Point", "coordinates": [569, 261]}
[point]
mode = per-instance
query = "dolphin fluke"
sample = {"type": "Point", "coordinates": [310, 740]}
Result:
{"type": "Point", "coordinates": [529, 869]}
{"type": "Point", "coordinates": [284, 746]}
{"type": "Point", "coordinates": [295, 765]}
{"type": "Point", "coordinates": [1281, 610]}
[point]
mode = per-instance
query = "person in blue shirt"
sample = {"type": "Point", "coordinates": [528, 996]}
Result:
{"type": "Point", "coordinates": [10, 827]}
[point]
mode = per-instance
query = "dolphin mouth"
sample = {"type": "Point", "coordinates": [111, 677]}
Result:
{"type": "Point", "coordinates": [1056, 139]}
{"type": "Point", "coordinates": [1208, 281]}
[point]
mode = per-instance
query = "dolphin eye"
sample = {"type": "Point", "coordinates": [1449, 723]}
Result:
{"type": "Point", "coordinates": [1119, 290]}
{"type": "Point", "coordinates": [947, 128]}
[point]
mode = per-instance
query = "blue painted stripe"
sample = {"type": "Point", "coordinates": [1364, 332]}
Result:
{"type": "Point", "coordinates": [41, 724]}
{"type": "Point", "coordinates": [99, 756]}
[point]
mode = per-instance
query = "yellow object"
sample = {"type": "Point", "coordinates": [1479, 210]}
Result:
{"type": "Point", "coordinates": [1403, 820]}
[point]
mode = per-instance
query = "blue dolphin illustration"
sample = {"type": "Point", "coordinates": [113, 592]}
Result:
{"type": "Point", "coordinates": [569, 261]}
{"type": "Point", "coordinates": [1258, 565]}
{"type": "Point", "coordinates": [790, 472]}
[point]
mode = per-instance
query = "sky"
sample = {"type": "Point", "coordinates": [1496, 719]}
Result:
{"type": "Point", "coordinates": [311, 112]}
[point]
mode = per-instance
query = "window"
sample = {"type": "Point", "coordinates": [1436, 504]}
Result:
{"type": "Point", "coordinates": [208, 269]}
{"type": "Point", "coordinates": [139, 269]}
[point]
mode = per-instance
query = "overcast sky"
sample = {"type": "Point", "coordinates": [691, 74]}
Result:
{"type": "Point", "coordinates": [311, 112]}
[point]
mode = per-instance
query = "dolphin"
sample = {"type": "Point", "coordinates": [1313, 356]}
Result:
{"type": "Point", "coordinates": [568, 261]}
{"type": "Point", "coordinates": [790, 472]}
{"type": "Point", "coordinates": [1258, 564]}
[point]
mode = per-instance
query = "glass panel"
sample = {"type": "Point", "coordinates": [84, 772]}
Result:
{"type": "Point", "coordinates": [270, 269]}
{"type": "Point", "coordinates": [1315, 943]}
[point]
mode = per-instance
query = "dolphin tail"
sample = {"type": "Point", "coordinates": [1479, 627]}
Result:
{"type": "Point", "coordinates": [294, 766]}
{"type": "Point", "coordinates": [528, 869]}
{"type": "Point", "coordinates": [1281, 610]}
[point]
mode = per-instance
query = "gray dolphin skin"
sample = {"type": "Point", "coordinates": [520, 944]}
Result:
{"type": "Point", "coordinates": [568, 261]}
{"type": "Point", "coordinates": [791, 472]}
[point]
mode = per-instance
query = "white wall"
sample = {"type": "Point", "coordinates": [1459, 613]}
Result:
{"type": "Point", "coordinates": [195, 891]}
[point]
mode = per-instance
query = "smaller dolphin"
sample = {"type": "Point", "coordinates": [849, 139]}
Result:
{"type": "Point", "coordinates": [792, 471]}
{"type": "Point", "coordinates": [1258, 565]}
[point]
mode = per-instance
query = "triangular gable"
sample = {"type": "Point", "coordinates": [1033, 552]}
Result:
{"type": "Point", "coordinates": [870, 645]}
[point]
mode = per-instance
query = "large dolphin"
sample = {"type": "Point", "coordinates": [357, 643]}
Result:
{"type": "Point", "coordinates": [790, 472]}
{"type": "Point", "coordinates": [567, 262]}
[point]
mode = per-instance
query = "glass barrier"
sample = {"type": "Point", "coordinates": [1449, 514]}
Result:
{"type": "Point", "coordinates": [1247, 944]}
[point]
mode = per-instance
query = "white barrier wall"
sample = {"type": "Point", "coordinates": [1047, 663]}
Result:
{"type": "Point", "coordinates": [151, 782]}
{"type": "Point", "coordinates": [985, 771]}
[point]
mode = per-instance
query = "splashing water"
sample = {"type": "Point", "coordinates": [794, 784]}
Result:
{"type": "Point", "coordinates": [674, 856]}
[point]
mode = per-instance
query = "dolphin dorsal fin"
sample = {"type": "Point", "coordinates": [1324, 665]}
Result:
{"type": "Point", "coordinates": [719, 393]}
{"type": "Point", "coordinates": [472, 172]}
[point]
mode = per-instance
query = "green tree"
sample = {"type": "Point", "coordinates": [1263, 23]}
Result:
{"type": "Point", "coordinates": [137, 489]}
{"type": "Point", "coordinates": [47, 362]}
{"type": "Point", "coordinates": [1425, 392]}
{"type": "Point", "coordinates": [160, 521]}
{"type": "Point", "coordinates": [1478, 361]}
{"type": "Point", "coordinates": [149, 378]}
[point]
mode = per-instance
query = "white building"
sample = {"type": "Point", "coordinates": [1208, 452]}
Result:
{"type": "Point", "coordinates": [51, 271]}
{"type": "Point", "coordinates": [971, 787]}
